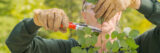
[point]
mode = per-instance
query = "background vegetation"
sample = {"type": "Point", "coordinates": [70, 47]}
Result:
{"type": "Point", "coordinates": [13, 11]}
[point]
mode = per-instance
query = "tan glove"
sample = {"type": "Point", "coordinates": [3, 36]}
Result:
{"type": "Point", "coordinates": [108, 8]}
{"type": "Point", "coordinates": [51, 19]}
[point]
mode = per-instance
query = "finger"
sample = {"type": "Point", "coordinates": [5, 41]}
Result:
{"type": "Point", "coordinates": [109, 10]}
{"type": "Point", "coordinates": [44, 19]}
{"type": "Point", "coordinates": [51, 20]}
{"type": "Point", "coordinates": [111, 15]}
{"type": "Point", "coordinates": [65, 22]}
{"type": "Point", "coordinates": [98, 5]}
{"type": "Point", "coordinates": [84, 16]}
{"type": "Point", "coordinates": [119, 16]}
{"type": "Point", "coordinates": [102, 9]}
{"type": "Point", "coordinates": [105, 27]}
{"type": "Point", "coordinates": [116, 17]}
{"type": "Point", "coordinates": [36, 16]}
{"type": "Point", "coordinates": [99, 41]}
{"type": "Point", "coordinates": [112, 28]}
{"type": "Point", "coordinates": [58, 19]}
{"type": "Point", "coordinates": [104, 45]}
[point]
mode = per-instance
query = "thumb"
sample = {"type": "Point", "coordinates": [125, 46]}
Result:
{"type": "Point", "coordinates": [36, 16]}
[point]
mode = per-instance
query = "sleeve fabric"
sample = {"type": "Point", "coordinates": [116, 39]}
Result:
{"type": "Point", "coordinates": [149, 42]}
{"type": "Point", "coordinates": [23, 39]}
{"type": "Point", "coordinates": [151, 10]}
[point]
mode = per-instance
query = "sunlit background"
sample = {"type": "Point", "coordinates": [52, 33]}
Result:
{"type": "Point", "coordinates": [13, 11]}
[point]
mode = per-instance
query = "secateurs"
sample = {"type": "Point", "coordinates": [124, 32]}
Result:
{"type": "Point", "coordinates": [76, 26]}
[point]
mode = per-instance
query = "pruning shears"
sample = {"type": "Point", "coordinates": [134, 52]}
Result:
{"type": "Point", "coordinates": [76, 26]}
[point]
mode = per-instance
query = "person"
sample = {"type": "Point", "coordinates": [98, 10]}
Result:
{"type": "Point", "coordinates": [149, 42]}
{"type": "Point", "coordinates": [24, 39]}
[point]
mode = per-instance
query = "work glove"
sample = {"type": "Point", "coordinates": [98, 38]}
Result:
{"type": "Point", "coordinates": [51, 19]}
{"type": "Point", "coordinates": [89, 15]}
{"type": "Point", "coordinates": [108, 8]}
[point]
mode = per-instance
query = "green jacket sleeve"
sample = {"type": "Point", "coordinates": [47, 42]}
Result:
{"type": "Point", "coordinates": [23, 39]}
{"type": "Point", "coordinates": [151, 10]}
{"type": "Point", "coordinates": [149, 42]}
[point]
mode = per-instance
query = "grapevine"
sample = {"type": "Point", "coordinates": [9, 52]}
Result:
{"type": "Point", "coordinates": [123, 43]}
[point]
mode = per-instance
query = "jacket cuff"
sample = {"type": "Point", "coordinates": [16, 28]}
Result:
{"type": "Point", "coordinates": [146, 7]}
{"type": "Point", "coordinates": [31, 27]}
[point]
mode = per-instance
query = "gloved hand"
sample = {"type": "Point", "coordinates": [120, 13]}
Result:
{"type": "Point", "coordinates": [51, 19]}
{"type": "Point", "coordinates": [89, 16]}
{"type": "Point", "coordinates": [108, 8]}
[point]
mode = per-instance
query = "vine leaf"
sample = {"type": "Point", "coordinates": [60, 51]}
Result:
{"type": "Point", "coordinates": [114, 34]}
{"type": "Point", "coordinates": [123, 44]}
{"type": "Point", "coordinates": [133, 51]}
{"type": "Point", "coordinates": [80, 33]}
{"type": "Point", "coordinates": [92, 50]}
{"type": "Point", "coordinates": [93, 40]}
{"type": "Point", "coordinates": [131, 43]}
{"type": "Point", "coordinates": [87, 30]}
{"type": "Point", "coordinates": [115, 46]}
{"type": "Point", "coordinates": [121, 36]}
{"type": "Point", "coordinates": [108, 45]}
{"type": "Point", "coordinates": [81, 38]}
{"type": "Point", "coordinates": [92, 1]}
{"type": "Point", "coordinates": [100, 20]}
{"type": "Point", "coordinates": [107, 36]}
{"type": "Point", "coordinates": [78, 50]}
{"type": "Point", "coordinates": [133, 34]}
{"type": "Point", "coordinates": [95, 34]}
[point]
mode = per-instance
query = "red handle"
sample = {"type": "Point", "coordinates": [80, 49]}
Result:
{"type": "Point", "coordinates": [71, 26]}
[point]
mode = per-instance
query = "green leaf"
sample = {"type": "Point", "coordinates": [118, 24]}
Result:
{"type": "Point", "coordinates": [123, 44]}
{"type": "Point", "coordinates": [87, 30]}
{"type": "Point", "coordinates": [133, 34]}
{"type": "Point", "coordinates": [92, 50]}
{"type": "Point", "coordinates": [115, 46]}
{"type": "Point", "coordinates": [123, 49]}
{"type": "Point", "coordinates": [92, 1]}
{"type": "Point", "coordinates": [80, 33]}
{"type": "Point", "coordinates": [81, 38]}
{"type": "Point", "coordinates": [84, 51]}
{"type": "Point", "coordinates": [131, 43]}
{"type": "Point", "coordinates": [114, 34]}
{"type": "Point", "coordinates": [108, 45]}
{"type": "Point", "coordinates": [100, 20]}
{"type": "Point", "coordinates": [107, 36]}
{"type": "Point", "coordinates": [133, 51]}
{"type": "Point", "coordinates": [121, 36]}
{"type": "Point", "coordinates": [95, 34]}
{"type": "Point", "coordinates": [126, 52]}
{"type": "Point", "coordinates": [90, 41]}
{"type": "Point", "coordinates": [78, 50]}
{"type": "Point", "coordinates": [93, 40]}
{"type": "Point", "coordinates": [82, 41]}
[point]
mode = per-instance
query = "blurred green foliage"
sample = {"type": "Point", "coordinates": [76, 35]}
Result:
{"type": "Point", "coordinates": [13, 11]}
{"type": "Point", "coordinates": [124, 42]}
